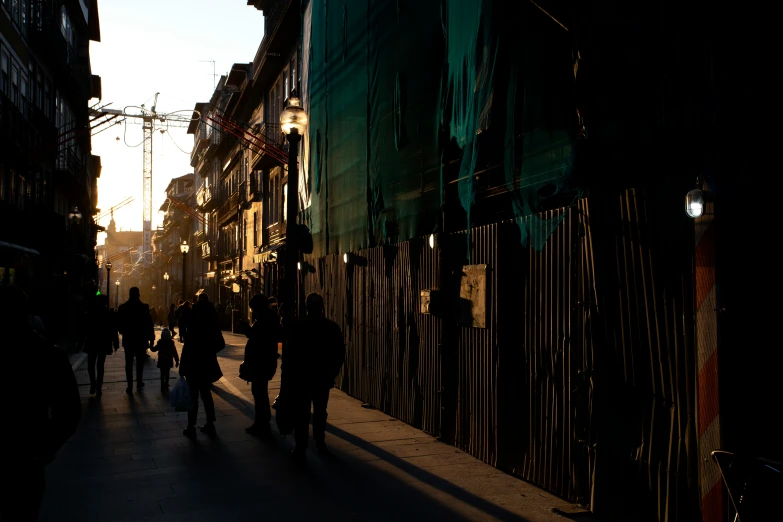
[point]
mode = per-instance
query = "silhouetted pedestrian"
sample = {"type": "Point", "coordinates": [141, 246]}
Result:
{"type": "Point", "coordinates": [38, 425]}
{"type": "Point", "coordinates": [102, 339]}
{"type": "Point", "coordinates": [183, 319]}
{"type": "Point", "coordinates": [135, 325]}
{"type": "Point", "coordinates": [311, 362]}
{"type": "Point", "coordinates": [172, 318]}
{"type": "Point", "coordinates": [167, 356]}
{"type": "Point", "coordinates": [162, 316]}
{"type": "Point", "coordinates": [154, 315]}
{"type": "Point", "coordinates": [260, 362]}
{"type": "Point", "coordinates": [199, 364]}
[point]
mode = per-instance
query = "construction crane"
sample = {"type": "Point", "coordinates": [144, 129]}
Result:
{"type": "Point", "coordinates": [124, 202]}
{"type": "Point", "coordinates": [149, 118]}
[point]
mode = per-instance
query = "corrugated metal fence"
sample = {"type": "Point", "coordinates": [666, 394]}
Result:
{"type": "Point", "coordinates": [582, 381]}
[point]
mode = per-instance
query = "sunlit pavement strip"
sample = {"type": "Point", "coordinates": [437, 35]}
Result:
{"type": "Point", "coordinates": [233, 389]}
{"type": "Point", "coordinates": [129, 461]}
{"type": "Point", "coordinates": [78, 361]}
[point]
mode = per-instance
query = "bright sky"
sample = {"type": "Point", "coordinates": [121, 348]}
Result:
{"type": "Point", "coordinates": [151, 46]}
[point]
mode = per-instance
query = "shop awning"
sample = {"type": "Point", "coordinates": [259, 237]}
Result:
{"type": "Point", "coordinates": [18, 248]}
{"type": "Point", "coordinates": [268, 253]}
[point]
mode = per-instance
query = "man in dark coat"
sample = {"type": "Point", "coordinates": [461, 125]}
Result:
{"type": "Point", "coordinates": [260, 362]}
{"type": "Point", "coordinates": [39, 424]}
{"type": "Point", "coordinates": [138, 333]}
{"type": "Point", "coordinates": [199, 364]}
{"type": "Point", "coordinates": [311, 362]}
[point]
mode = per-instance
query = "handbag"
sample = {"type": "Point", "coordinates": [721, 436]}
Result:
{"type": "Point", "coordinates": [283, 415]}
{"type": "Point", "coordinates": [245, 372]}
{"type": "Point", "coordinates": [220, 342]}
{"type": "Point", "coordinates": [180, 396]}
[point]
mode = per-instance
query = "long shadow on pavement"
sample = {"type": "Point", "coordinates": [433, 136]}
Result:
{"type": "Point", "coordinates": [427, 477]}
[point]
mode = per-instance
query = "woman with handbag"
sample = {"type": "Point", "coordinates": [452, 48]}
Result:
{"type": "Point", "coordinates": [198, 362]}
{"type": "Point", "coordinates": [260, 362]}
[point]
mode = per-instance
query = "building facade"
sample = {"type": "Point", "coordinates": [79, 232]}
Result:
{"type": "Point", "coordinates": [46, 166]}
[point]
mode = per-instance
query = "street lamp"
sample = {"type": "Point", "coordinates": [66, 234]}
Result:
{"type": "Point", "coordinates": [108, 278]}
{"type": "Point", "coordinates": [75, 216]}
{"type": "Point", "coordinates": [117, 299]}
{"type": "Point", "coordinates": [184, 249]}
{"type": "Point", "coordinates": [293, 122]}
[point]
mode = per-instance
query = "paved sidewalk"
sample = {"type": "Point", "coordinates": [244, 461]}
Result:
{"type": "Point", "coordinates": [130, 461]}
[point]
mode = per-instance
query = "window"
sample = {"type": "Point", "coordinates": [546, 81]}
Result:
{"type": "Point", "coordinates": [15, 11]}
{"type": "Point", "coordinates": [47, 100]}
{"type": "Point", "coordinates": [24, 17]}
{"type": "Point", "coordinates": [4, 81]}
{"type": "Point", "coordinates": [285, 85]}
{"type": "Point", "coordinates": [39, 97]}
{"type": "Point", "coordinates": [23, 97]}
{"type": "Point", "coordinates": [255, 229]}
{"type": "Point", "coordinates": [285, 201]}
{"type": "Point", "coordinates": [14, 85]}
{"type": "Point", "coordinates": [293, 73]}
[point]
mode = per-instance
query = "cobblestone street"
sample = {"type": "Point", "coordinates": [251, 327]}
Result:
{"type": "Point", "coordinates": [130, 461]}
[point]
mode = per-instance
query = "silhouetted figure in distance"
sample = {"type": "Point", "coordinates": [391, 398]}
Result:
{"type": "Point", "coordinates": [154, 315]}
{"type": "Point", "coordinates": [38, 423]}
{"type": "Point", "coordinates": [311, 361]}
{"type": "Point", "coordinates": [135, 325]}
{"type": "Point", "coordinates": [102, 339]}
{"type": "Point", "coordinates": [199, 364]}
{"type": "Point", "coordinates": [172, 318]}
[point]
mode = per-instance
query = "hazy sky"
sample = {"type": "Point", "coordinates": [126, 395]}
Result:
{"type": "Point", "coordinates": [150, 46]}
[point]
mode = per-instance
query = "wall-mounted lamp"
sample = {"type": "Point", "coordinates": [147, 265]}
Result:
{"type": "Point", "coordinates": [346, 258]}
{"type": "Point", "coordinates": [433, 241]}
{"type": "Point", "coordinates": [694, 203]}
{"type": "Point", "coordinates": [298, 265]}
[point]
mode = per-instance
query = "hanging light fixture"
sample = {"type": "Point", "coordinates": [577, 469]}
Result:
{"type": "Point", "coordinates": [694, 203]}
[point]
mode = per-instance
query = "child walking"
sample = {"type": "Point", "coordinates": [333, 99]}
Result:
{"type": "Point", "coordinates": [167, 356]}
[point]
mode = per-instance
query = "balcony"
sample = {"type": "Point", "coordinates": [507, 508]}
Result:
{"type": "Point", "coordinates": [272, 135]}
{"type": "Point", "coordinates": [213, 141]}
{"type": "Point", "coordinates": [204, 198]}
{"type": "Point", "coordinates": [70, 165]}
{"type": "Point", "coordinates": [199, 237]}
{"type": "Point", "coordinates": [208, 251]}
{"type": "Point", "coordinates": [229, 208]}
{"type": "Point", "coordinates": [249, 192]}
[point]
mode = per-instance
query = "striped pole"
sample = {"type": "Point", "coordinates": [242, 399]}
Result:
{"type": "Point", "coordinates": [710, 487]}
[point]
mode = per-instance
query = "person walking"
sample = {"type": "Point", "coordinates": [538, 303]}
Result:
{"type": "Point", "coordinates": [311, 362]}
{"type": "Point", "coordinates": [154, 316]}
{"type": "Point", "coordinates": [199, 365]}
{"type": "Point", "coordinates": [260, 362]}
{"type": "Point", "coordinates": [39, 424]}
{"type": "Point", "coordinates": [161, 316]}
{"type": "Point", "coordinates": [183, 319]}
{"type": "Point", "coordinates": [172, 319]}
{"type": "Point", "coordinates": [167, 357]}
{"type": "Point", "coordinates": [102, 340]}
{"type": "Point", "coordinates": [135, 325]}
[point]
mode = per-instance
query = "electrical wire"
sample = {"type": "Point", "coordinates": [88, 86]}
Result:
{"type": "Point", "coordinates": [125, 130]}
{"type": "Point", "coordinates": [174, 141]}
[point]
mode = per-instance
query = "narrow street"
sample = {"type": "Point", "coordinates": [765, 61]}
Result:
{"type": "Point", "coordinates": [130, 461]}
